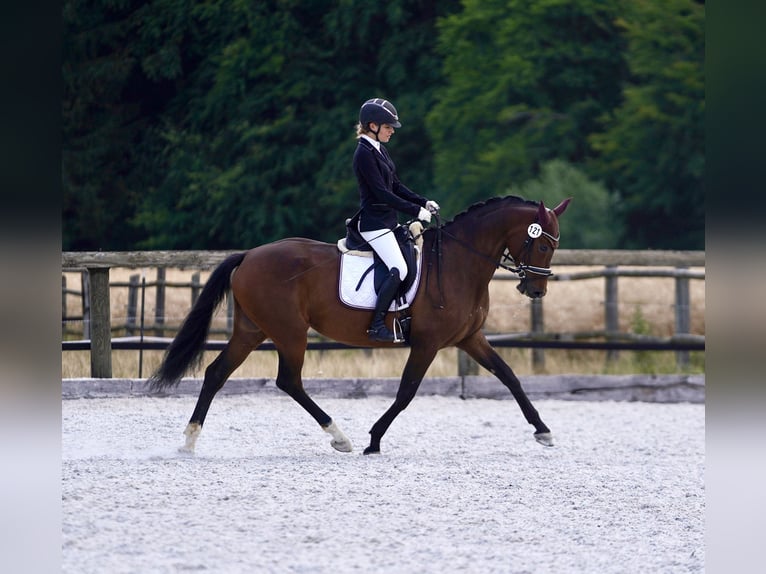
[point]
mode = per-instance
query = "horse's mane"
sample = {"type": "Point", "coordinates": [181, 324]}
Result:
{"type": "Point", "coordinates": [491, 202]}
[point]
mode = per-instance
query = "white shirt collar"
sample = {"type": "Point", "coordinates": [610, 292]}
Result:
{"type": "Point", "coordinates": [375, 143]}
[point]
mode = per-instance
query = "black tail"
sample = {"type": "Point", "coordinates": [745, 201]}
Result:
{"type": "Point", "coordinates": [185, 352]}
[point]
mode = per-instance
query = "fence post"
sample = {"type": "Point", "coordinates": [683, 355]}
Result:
{"type": "Point", "coordinates": [101, 328]}
{"type": "Point", "coordinates": [130, 324]}
{"type": "Point", "coordinates": [141, 350]}
{"type": "Point", "coordinates": [85, 295]}
{"type": "Point", "coordinates": [611, 309]}
{"type": "Point", "coordinates": [538, 355]}
{"type": "Point", "coordinates": [229, 313]}
{"type": "Point", "coordinates": [195, 288]}
{"type": "Point", "coordinates": [63, 304]}
{"type": "Point", "coordinates": [159, 308]}
{"type": "Point", "coordinates": [466, 366]}
{"type": "Point", "coordinates": [683, 321]}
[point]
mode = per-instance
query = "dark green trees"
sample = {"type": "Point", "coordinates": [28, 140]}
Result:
{"type": "Point", "coordinates": [652, 150]}
{"type": "Point", "coordinates": [225, 124]}
{"type": "Point", "coordinates": [613, 88]}
{"type": "Point", "coordinates": [527, 82]}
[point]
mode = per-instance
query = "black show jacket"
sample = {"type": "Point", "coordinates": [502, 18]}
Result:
{"type": "Point", "coordinates": [381, 193]}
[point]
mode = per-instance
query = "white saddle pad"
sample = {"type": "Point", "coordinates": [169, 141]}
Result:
{"type": "Point", "coordinates": [352, 267]}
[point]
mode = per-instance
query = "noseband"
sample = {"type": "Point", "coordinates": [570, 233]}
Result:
{"type": "Point", "coordinates": [533, 232]}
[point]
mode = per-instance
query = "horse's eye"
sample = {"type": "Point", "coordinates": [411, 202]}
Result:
{"type": "Point", "coordinates": [543, 248]}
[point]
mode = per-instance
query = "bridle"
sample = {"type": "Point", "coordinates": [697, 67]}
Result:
{"type": "Point", "coordinates": [534, 231]}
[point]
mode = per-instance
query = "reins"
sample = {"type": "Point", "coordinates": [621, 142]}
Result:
{"type": "Point", "coordinates": [520, 270]}
{"type": "Point", "coordinates": [470, 248]}
{"type": "Point", "coordinates": [436, 247]}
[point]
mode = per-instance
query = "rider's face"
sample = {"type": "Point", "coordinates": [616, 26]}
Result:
{"type": "Point", "coordinates": [385, 133]}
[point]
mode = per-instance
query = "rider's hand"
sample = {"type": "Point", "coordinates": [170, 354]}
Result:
{"type": "Point", "coordinates": [424, 215]}
{"type": "Point", "coordinates": [432, 206]}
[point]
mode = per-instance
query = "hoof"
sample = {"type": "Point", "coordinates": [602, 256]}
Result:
{"type": "Point", "coordinates": [339, 441]}
{"type": "Point", "coordinates": [370, 450]}
{"type": "Point", "coordinates": [192, 433]}
{"type": "Point", "coordinates": [544, 438]}
{"type": "Point", "coordinates": [342, 445]}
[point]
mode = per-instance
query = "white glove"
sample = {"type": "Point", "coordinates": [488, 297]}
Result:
{"type": "Point", "coordinates": [424, 215]}
{"type": "Point", "coordinates": [432, 206]}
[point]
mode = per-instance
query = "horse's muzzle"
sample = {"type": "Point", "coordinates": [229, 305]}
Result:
{"type": "Point", "coordinates": [533, 292]}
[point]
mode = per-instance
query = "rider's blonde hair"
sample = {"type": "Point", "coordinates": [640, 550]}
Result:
{"type": "Point", "coordinates": [360, 131]}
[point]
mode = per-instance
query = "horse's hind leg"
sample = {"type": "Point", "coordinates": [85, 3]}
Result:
{"type": "Point", "coordinates": [216, 374]}
{"type": "Point", "coordinates": [479, 348]}
{"type": "Point", "coordinates": [289, 380]}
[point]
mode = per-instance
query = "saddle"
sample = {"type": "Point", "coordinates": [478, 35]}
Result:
{"type": "Point", "coordinates": [405, 237]}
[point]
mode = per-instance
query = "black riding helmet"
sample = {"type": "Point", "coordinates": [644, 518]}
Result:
{"type": "Point", "coordinates": [379, 111]}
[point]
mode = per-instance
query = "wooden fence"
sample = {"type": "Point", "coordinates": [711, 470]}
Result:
{"type": "Point", "coordinates": [97, 328]}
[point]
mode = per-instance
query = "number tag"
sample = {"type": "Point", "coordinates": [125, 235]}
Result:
{"type": "Point", "coordinates": [534, 230]}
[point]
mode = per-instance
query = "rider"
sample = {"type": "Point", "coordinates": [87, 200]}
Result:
{"type": "Point", "coordinates": [381, 195]}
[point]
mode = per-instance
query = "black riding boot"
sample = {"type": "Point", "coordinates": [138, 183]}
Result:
{"type": "Point", "coordinates": [378, 330]}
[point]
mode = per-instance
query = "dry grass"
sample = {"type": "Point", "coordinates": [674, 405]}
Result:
{"type": "Point", "coordinates": [569, 307]}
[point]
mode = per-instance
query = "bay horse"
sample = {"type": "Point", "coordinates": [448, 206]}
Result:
{"type": "Point", "coordinates": [282, 289]}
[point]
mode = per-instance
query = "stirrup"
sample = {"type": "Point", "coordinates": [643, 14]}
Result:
{"type": "Point", "coordinates": [398, 334]}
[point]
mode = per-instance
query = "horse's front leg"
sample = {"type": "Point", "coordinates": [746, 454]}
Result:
{"type": "Point", "coordinates": [417, 365]}
{"type": "Point", "coordinates": [479, 348]}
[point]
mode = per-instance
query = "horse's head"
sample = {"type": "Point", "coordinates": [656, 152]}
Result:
{"type": "Point", "coordinates": [533, 258]}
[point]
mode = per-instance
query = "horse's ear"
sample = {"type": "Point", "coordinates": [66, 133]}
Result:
{"type": "Point", "coordinates": [562, 207]}
{"type": "Point", "coordinates": [542, 214]}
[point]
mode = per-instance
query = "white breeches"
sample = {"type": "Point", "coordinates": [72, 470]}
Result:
{"type": "Point", "coordinates": [385, 245]}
